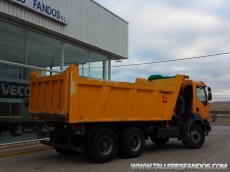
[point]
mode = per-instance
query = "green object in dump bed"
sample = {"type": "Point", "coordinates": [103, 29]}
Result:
{"type": "Point", "coordinates": [155, 77]}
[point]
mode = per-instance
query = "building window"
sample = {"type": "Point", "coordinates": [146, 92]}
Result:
{"type": "Point", "coordinates": [75, 54]}
{"type": "Point", "coordinates": [43, 51]}
{"type": "Point", "coordinates": [12, 43]}
{"type": "Point", "coordinates": [21, 73]}
{"type": "Point", "coordinates": [13, 72]}
{"type": "Point", "coordinates": [98, 66]}
{"type": "Point", "coordinates": [4, 70]}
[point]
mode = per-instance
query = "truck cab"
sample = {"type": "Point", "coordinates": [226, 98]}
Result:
{"type": "Point", "coordinates": [197, 97]}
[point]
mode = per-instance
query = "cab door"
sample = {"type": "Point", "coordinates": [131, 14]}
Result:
{"type": "Point", "coordinates": [202, 104]}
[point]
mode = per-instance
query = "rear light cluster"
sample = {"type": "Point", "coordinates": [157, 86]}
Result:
{"type": "Point", "coordinates": [78, 128]}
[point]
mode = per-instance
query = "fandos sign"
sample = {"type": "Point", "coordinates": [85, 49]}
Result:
{"type": "Point", "coordinates": [44, 9]}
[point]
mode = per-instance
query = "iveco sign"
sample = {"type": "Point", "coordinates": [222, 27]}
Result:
{"type": "Point", "coordinates": [13, 90]}
{"type": "Point", "coordinates": [44, 9]}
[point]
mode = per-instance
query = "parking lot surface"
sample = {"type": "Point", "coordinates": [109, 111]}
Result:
{"type": "Point", "coordinates": [216, 149]}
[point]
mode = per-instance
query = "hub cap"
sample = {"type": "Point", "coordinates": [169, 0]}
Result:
{"type": "Point", "coordinates": [19, 129]}
{"type": "Point", "coordinates": [106, 145]}
{"type": "Point", "coordinates": [195, 136]}
{"type": "Point", "coordinates": [135, 142]}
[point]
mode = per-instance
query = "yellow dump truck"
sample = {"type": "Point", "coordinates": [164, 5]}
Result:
{"type": "Point", "coordinates": [103, 117]}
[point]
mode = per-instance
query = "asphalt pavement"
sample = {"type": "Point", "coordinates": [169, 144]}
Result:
{"type": "Point", "coordinates": [216, 149]}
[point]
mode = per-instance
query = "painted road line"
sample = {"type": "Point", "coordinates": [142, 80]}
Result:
{"type": "Point", "coordinates": [25, 152]}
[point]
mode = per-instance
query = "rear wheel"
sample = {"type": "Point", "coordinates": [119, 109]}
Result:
{"type": "Point", "coordinates": [103, 145]}
{"type": "Point", "coordinates": [196, 137]}
{"type": "Point", "coordinates": [17, 130]}
{"type": "Point", "coordinates": [132, 142]}
{"type": "Point", "coordinates": [159, 141]}
{"type": "Point", "coordinates": [66, 152]}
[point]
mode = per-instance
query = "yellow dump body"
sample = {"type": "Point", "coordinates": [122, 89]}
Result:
{"type": "Point", "coordinates": [66, 97]}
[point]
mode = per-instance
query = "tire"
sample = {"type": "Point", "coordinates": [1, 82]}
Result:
{"type": "Point", "coordinates": [159, 141]}
{"type": "Point", "coordinates": [196, 137]}
{"type": "Point", "coordinates": [132, 142]}
{"type": "Point", "coordinates": [103, 145]}
{"type": "Point", "coordinates": [180, 106]}
{"type": "Point", "coordinates": [66, 152]}
{"type": "Point", "coordinates": [17, 130]}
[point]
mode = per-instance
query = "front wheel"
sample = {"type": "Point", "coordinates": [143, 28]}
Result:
{"type": "Point", "coordinates": [159, 141]}
{"type": "Point", "coordinates": [17, 130]}
{"type": "Point", "coordinates": [196, 137]}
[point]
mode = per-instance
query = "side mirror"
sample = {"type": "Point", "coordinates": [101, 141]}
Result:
{"type": "Point", "coordinates": [209, 94]}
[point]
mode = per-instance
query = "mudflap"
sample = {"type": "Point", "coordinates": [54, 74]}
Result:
{"type": "Point", "coordinates": [207, 127]}
{"type": "Point", "coordinates": [63, 146]}
{"type": "Point", "coordinates": [183, 132]}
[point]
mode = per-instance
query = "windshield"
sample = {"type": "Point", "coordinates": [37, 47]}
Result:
{"type": "Point", "coordinates": [201, 94]}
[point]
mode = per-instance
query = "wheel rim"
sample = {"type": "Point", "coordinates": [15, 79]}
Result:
{"type": "Point", "coordinates": [195, 136]}
{"type": "Point", "coordinates": [106, 145]}
{"type": "Point", "coordinates": [19, 129]}
{"type": "Point", "coordinates": [135, 142]}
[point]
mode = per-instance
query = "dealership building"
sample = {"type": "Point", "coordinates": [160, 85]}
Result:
{"type": "Point", "coordinates": [51, 35]}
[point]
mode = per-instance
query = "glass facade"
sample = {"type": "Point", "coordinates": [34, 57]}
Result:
{"type": "Point", "coordinates": [12, 42]}
{"type": "Point", "coordinates": [74, 54]}
{"type": "Point", "coordinates": [25, 46]}
{"type": "Point", "coordinates": [43, 51]}
{"type": "Point", "coordinates": [98, 66]}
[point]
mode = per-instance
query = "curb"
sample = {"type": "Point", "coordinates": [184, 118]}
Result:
{"type": "Point", "coordinates": [20, 144]}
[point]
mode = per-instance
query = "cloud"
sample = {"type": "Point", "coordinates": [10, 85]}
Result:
{"type": "Point", "coordinates": [174, 29]}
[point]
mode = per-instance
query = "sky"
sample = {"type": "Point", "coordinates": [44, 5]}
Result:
{"type": "Point", "coordinates": [176, 29]}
